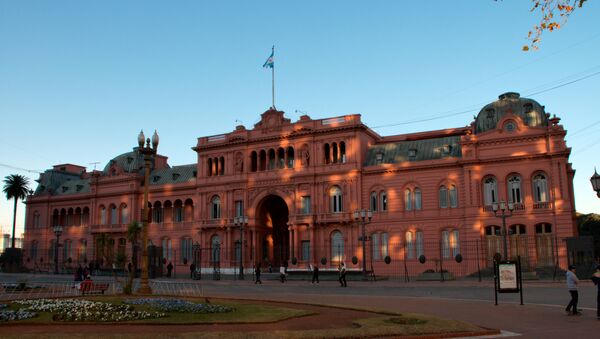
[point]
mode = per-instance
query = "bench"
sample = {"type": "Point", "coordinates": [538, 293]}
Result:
{"type": "Point", "coordinates": [92, 288]}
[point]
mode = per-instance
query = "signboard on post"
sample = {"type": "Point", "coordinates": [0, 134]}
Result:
{"type": "Point", "coordinates": [508, 277]}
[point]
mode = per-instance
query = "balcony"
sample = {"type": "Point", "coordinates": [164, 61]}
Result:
{"type": "Point", "coordinates": [335, 217]}
{"type": "Point", "coordinates": [114, 228]}
{"type": "Point", "coordinates": [542, 205]}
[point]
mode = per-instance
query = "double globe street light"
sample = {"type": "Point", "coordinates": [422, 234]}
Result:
{"type": "Point", "coordinates": [148, 152]}
{"type": "Point", "coordinates": [57, 231]}
{"type": "Point", "coordinates": [241, 221]}
{"type": "Point", "coordinates": [504, 211]}
{"type": "Point", "coordinates": [362, 216]}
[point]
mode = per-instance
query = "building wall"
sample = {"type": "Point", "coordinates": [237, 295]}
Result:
{"type": "Point", "coordinates": [523, 151]}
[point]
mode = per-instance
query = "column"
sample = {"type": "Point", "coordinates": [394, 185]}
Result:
{"type": "Point", "coordinates": [291, 242]}
{"type": "Point", "coordinates": [297, 249]}
{"type": "Point", "coordinates": [313, 244]}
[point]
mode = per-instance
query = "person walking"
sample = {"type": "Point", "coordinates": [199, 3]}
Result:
{"type": "Point", "coordinates": [596, 281]}
{"type": "Point", "coordinates": [572, 282]}
{"type": "Point", "coordinates": [315, 273]}
{"type": "Point", "coordinates": [192, 269]}
{"type": "Point", "coordinates": [257, 274]}
{"type": "Point", "coordinates": [342, 270]}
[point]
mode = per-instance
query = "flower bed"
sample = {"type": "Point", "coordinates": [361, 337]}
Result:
{"type": "Point", "coordinates": [11, 315]}
{"type": "Point", "coordinates": [85, 310]}
{"type": "Point", "coordinates": [178, 305]}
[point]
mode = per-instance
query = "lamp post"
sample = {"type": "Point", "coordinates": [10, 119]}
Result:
{"type": "Point", "coordinates": [57, 231]}
{"type": "Point", "coordinates": [595, 179]}
{"type": "Point", "coordinates": [501, 211]}
{"type": "Point", "coordinates": [362, 216]}
{"type": "Point", "coordinates": [241, 221]}
{"type": "Point", "coordinates": [149, 152]}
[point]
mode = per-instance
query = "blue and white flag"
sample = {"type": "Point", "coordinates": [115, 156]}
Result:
{"type": "Point", "coordinates": [270, 61]}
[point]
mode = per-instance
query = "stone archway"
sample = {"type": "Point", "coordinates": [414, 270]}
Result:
{"type": "Point", "coordinates": [274, 238]}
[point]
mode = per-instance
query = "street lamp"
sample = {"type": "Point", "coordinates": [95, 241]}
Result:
{"type": "Point", "coordinates": [595, 179]}
{"type": "Point", "coordinates": [241, 221]}
{"type": "Point", "coordinates": [362, 215]}
{"type": "Point", "coordinates": [504, 213]}
{"type": "Point", "coordinates": [57, 231]}
{"type": "Point", "coordinates": [149, 152]}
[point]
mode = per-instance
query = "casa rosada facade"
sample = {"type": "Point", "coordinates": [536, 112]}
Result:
{"type": "Point", "coordinates": [431, 194]}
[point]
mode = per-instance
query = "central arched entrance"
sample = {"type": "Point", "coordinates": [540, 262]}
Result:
{"type": "Point", "coordinates": [272, 218]}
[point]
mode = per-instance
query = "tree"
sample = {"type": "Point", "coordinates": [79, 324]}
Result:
{"type": "Point", "coordinates": [15, 187]}
{"type": "Point", "coordinates": [554, 14]}
{"type": "Point", "coordinates": [133, 234]}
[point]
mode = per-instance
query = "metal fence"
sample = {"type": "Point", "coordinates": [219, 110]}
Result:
{"type": "Point", "coordinates": [542, 256]}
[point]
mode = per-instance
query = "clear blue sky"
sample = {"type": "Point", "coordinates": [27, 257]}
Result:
{"type": "Point", "coordinates": [79, 79]}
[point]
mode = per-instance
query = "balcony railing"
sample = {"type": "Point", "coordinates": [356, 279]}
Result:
{"type": "Point", "coordinates": [542, 205]}
{"type": "Point", "coordinates": [108, 228]}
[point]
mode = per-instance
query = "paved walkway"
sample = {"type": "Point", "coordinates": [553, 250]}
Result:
{"type": "Point", "coordinates": [542, 316]}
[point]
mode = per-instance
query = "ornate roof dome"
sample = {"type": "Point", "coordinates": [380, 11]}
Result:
{"type": "Point", "coordinates": [130, 162]}
{"type": "Point", "coordinates": [530, 111]}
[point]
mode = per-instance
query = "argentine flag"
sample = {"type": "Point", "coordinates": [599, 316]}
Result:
{"type": "Point", "coordinates": [270, 63]}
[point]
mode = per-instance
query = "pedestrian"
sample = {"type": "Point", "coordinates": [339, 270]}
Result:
{"type": "Point", "coordinates": [257, 274]}
{"type": "Point", "coordinates": [129, 268]}
{"type": "Point", "coordinates": [282, 274]}
{"type": "Point", "coordinates": [342, 269]}
{"type": "Point", "coordinates": [79, 273]}
{"type": "Point", "coordinates": [596, 280]}
{"type": "Point", "coordinates": [572, 282]}
{"type": "Point", "coordinates": [169, 269]}
{"type": "Point", "coordinates": [315, 273]}
{"type": "Point", "coordinates": [192, 269]}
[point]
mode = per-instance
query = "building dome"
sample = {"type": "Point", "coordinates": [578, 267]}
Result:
{"type": "Point", "coordinates": [130, 162]}
{"type": "Point", "coordinates": [530, 111]}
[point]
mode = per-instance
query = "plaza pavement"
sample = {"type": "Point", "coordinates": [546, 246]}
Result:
{"type": "Point", "coordinates": [542, 316]}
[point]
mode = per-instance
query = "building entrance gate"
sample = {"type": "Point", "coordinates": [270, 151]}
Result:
{"type": "Point", "coordinates": [271, 224]}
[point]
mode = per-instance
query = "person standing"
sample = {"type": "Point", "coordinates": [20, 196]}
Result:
{"type": "Point", "coordinates": [257, 274]}
{"type": "Point", "coordinates": [192, 269]}
{"type": "Point", "coordinates": [342, 269]}
{"type": "Point", "coordinates": [315, 273]}
{"type": "Point", "coordinates": [572, 282]}
{"type": "Point", "coordinates": [169, 269]}
{"type": "Point", "coordinates": [596, 281]}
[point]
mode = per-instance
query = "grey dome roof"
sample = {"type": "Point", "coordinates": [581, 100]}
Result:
{"type": "Point", "coordinates": [529, 110]}
{"type": "Point", "coordinates": [131, 162]}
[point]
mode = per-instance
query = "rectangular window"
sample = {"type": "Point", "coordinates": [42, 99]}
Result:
{"type": "Point", "coordinates": [384, 244]}
{"type": "Point", "coordinates": [455, 243]}
{"type": "Point", "coordinates": [420, 250]}
{"type": "Point", "coordinates": [410, 246]}
{"type": "Point", "coordinates": [239, 208]}
{"type": "Point", "coordinates": [305, 205]}
{"type": "Point", "coordinates": [446, 244]}
{"type": "Point", "coordinates": [305, 250]}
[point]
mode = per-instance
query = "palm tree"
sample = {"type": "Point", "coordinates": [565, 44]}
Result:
{"type": "Point", "coordinates": [15, 187]}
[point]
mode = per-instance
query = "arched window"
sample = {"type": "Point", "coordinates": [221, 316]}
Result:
{"type": "Point", "coordinates": [221, 165]}
{"type": "Point", "coordinates": [453, 195]}
{"type": "Point", "coordinates": [337, 247]}
{"type": "Point", "coordinates": [67, 248]}
{"type": "Point", "coordinates": [102, 215]}
{"type": "Point", "coordinates": [253, 161]}
{"type": "Point", "coordinates": [215, 207]}
{"type": "Point", "coordinates": [374, 201]}
{"type": "Point", "coordinates": [383, 198]}
{"type": "Point", "coordinates": [417, 195]}
{"type": "Point", "coordinates": [157, 212]}
{"type": "Point", "coordinates": [410, 245]}
{"type": "Point", "coordinates": [342, 152]}
{"type": "Point", "coordinates": [209, 165]}
{"type": "Point", "coordinates": [419, 243]}
{"type": "Point", "coordinates": [446, 244]}
{"type": "Point", "coordinates": [326, 151]}
{"type": "Point", "coordinates": [82, 250]}
{"type": "Point", "coordinates": [271, 164]}
{"type": "Point", "coordinates": [335, 194]}
{"type": "Point", "coordinates": [167, 249]}
{"type": "Point", "coordinates": [178, 211]}
{"type": "Point", "coordinates": [290, 157]}
{"type": "Point", "coordinates": [34, 250]}
{"type": "Point", "coordinates": [69, 217]}
{"type": "Point", "coordinates": [514, 189]}
{"type": "Point", "coordinates": [455, 243]}
{"type": "Point", "coordinates": [262, 160]}
{"type": "Point", "coordinates": [375, 246]}
{"type": "Point", "coordinates": [540, 188]}
{"type": "Point", "coordinates": [215, 250]}
{"type": "Point", "coordinates": [186, 250]}
{"type": "Point", "coordinates": [443, 196]}
{"type": "Point", "coordinates": [408, 199]}
{"type": "Point", "coordinates": [124, 214]}
{"type": "Point", "coordinates": [188, 210]}
{"type": "Point", "coordinates": [334, 150]}
{"type": "Point", "coordinates": [122, 246]}
{"type": "Point", "coordinates": [490, 191]}
{"type": "Point", "coordinates": [384, 244]}
{"type": "Point", "coordinates": [280, 158]}
{"type": "Point", "coordinates": [113, 214]}
{"type": "Point", "coordinates": [36, 219]}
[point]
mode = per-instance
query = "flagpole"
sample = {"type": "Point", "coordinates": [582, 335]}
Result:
{"type": "Point", "coordinates": [273, 80]}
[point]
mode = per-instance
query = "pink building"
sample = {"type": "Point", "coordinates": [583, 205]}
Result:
{"type": "Point", "coordinates": [431, 194]}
